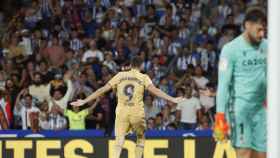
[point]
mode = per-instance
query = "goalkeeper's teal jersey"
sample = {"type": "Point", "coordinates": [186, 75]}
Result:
{"type": "Point", "coordinates": [242, 74]}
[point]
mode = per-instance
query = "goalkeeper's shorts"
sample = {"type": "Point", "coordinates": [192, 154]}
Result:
{"type": "Point", "coordinates": [248, 127]}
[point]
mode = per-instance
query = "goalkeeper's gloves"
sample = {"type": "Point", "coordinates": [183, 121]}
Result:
{"type": "Point", "coordinates": [221, 128]}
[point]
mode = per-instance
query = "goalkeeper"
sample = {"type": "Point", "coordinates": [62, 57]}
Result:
{"type": "Point", "coordinates": [130, 87]}
{"type": "Point", "coordinates": [242, 89]}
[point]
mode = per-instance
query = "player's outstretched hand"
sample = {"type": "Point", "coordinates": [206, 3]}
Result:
{"type": "Point", "coordinates": [79, 102]}
{"type": "Point", "coordinates": [178, 100]}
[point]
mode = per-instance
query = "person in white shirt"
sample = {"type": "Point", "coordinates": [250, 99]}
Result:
{"type": "Point", "coordinates": [41, 91]}
{"type": "Point", "coordinates": [207, 101]}
{"type": "Point", "coordinates": [199, 79]}
{"type": "Point", "coordinates": [93, 52]}
{"type": "Point", "coordinates": [38, 89]}
{"type": "Point", "coordinates": [188, 111]}
{"type": "Point", "coordinates": [26, 43]}
{"type": "Point", "coordinates": [58, 97]}
{"type": "Point", "coordinates": [24, 108]}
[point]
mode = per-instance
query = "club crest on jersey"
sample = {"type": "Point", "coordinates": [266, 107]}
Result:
{"type": "Point", "coordinates": [223, 64]}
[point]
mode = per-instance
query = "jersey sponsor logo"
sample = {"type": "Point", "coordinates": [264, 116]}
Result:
{"type": "Point", "coordinates": [253, 62]}
{"type": "Point", "coordinates": [223, 65]}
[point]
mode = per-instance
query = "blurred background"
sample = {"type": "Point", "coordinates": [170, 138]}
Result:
{"type": "Point", "coordinates": [55, 51]}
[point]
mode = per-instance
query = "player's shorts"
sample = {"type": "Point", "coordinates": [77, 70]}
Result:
{"type": "Point", "coordinates": [129, 118]}
{"type": "Point", "coordinates": [248, 127]}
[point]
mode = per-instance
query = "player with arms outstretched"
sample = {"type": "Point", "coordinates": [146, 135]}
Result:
{"type": "Point", "coordinates": [130, 114]}
{"type": "Point", "coordinates": [242, 89]}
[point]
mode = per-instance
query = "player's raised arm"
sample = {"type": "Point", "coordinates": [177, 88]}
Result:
{"type": "Point", "coordinates": [112, 83]}
{"type": "Point", "coordinates": [156, 91]}
{"type": "Point", "coordinates": [93, 96]}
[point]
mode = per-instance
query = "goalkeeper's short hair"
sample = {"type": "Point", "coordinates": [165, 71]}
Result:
{"type": "Point", "coordinates": [255, 15]}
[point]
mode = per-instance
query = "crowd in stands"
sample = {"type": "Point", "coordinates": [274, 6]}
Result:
{"type": "Point", "coordinates": [55, 51]}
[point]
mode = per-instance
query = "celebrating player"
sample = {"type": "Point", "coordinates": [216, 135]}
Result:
{"type": "Point", "coordinates": [130, 87]}
{"type": "Point", "coordinates": [242, 89]}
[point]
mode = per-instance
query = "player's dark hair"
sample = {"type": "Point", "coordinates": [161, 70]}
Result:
{"type": "Point", "coordinates": [255, 15]}
{"type": "Point", "coordinates": [136, 62]}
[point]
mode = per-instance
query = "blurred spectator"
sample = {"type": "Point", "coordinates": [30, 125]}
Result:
{"type": "Point", "coordinates": [110, 63]}
{"type": "Point", "coordinates": [81, 85]}
{"type": "Point", "coordinates": [171, 127]}
{"type": "Point", "coordinates": [159, 122]}
{"type": "Point", "coordinates": [227, 36]}
{"type": "Point", "coordinates": [46, 74]}
{"type": "Point", "coordinates": [6, 109]}
{"type": "Point", "coordinates": [213, 57]}
{"type": "Point", "coordinates": [179, 42]}
{"type": "Point", "coordinates": [39, 89]}
{"type": "Point", "coordinates": [189, 111]}
{"type": "Point", "coordinates": [26, 43]}
{"type": "Point", "coordinates": [183, 60]}
{"type": "Point", "coordinates": [76, 116]}
{"type": "Point", "coordinates": [44, 115]}
{"type": "Point", "coordinates": [151, 110]}
{"type": "Point", "coordinates": [199, 78]}
{"type": "Point", "coordinates": [3, 121]}
{"type": "Point", "coordinates": [167, 118]}
{"type": "Point", "coordinates": [206, 101]}
{"type": "Point", "coordinates": [151, 123]}
{"type": "Point", "coordinates": [97, 119]}
{"type": "Point", "coordinates": [93, 52]}
{"type": "Point", "coordinates": [25, 105]}
{"type": "Point", "coordinates": [203, 123]}
{"type": "Point", "coordinates": [55, 53]}
{"type": "Point", "coordinates": [57, 121]}
{"type": "Point", "coordinates": [107, 104]}
{"type": "Point", "coordinates": [159, 102]}
{"type": "Point", "coordinates": [11, 90]}
{"type": "Point", "coordinates": [75, 43]}
{"type": "Point", "coordinates": [58, 97]}
{"type": "Point", "coordinates": [2, 79]}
